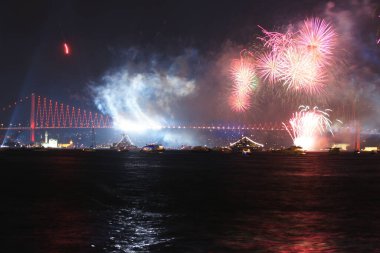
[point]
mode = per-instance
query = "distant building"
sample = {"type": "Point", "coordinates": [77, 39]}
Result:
{"type": "Point", "coordinates": [66, 145]}
{"type": "Point", "coordinates": [341, 146]}
{"type": "Point", "coordinates": [49, 143]}
{"type": "Point", "coordinates": [10, 144]}
{"type": "Point", "coordinates": [124, 144]}
{"type": "Point", "coordinates": [52, 143]}
{"type": "Point", "coordinates": [370, 149]}
{"type": "Point", "coordinates": [245, 143]}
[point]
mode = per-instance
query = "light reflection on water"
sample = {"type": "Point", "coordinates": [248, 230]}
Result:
{"type": "Point", "coordinates": [281, 232]}
{"type": "Point", "coordinates": [186, 202]}
{"type": "Point", "coordinates": [133, 230]}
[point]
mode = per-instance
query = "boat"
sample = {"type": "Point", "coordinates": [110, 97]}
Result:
{"type": "Point", "coordinates": [225, 150]}
{"type": "Point", "coordinates": [153, 148]}
{"type": "Point", "coordinates": [294, 150]}
{"type": "Point", "coordinates": [89, 150]}
{"type": "Point", "coordinates": [200, 149]}
{"type": "Point", "coordinates": [185, 148]}
{"type": "Point", "coordinates": [371, 150]}
{"type": "Point", "coordinates": [334, 150]}
{"type": "Point", "coordinates": [246, 151]}
{"type": "Point", "coordinates": [123, 149]}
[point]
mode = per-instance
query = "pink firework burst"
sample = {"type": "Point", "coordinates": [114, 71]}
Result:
{"type": "Point", "coordinates": [243, 75]}
{"type": "Point", "coordinates": [239, 102]}
{"type": "Point", "coordinates": [300, 72]}
{"type": "Point", "coordinates": [244, 81]}
{"type": "Point", "coordinates": [276, 41]}
{"type": "Point", "coordinates": [319, 38]}
{"type": "Point", "coordinates": [269, 67]}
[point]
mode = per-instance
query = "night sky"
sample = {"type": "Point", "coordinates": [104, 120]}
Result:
{"type": "Point", "coordinates": [32, 33]}
{"type": "Point", "coordinates": [193, 40]}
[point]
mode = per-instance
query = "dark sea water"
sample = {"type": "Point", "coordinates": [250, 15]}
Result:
{"type": "Point", "coordinates": [189, 202]}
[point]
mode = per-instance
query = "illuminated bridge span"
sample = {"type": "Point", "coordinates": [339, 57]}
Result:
{"type": "Point", "coordinates": [48, 114]}
{"type": "Point", "coordinates": [264, 127]}
{"type": "Point", "coordinates": [45, 113]}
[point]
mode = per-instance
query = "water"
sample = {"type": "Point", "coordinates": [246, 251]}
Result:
{"type": "Point", "coordinates": [188, 202]}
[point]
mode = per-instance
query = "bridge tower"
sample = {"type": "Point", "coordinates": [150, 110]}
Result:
{"type": "Point", "coordinates": [93, 138]}
{"type": "Point", "coordinates": [356, 124]}
{"type": "Point", "coordinates": [357, 136]}
{"type": "Point", "coordinates": [32, 117]}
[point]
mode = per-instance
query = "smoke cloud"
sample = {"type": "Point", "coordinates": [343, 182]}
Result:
{"type": "Point", "coordinates": [356, 22]}
{"type": "Point", "coordinates": [141, 101]}
{"type": "Point", "coordinates": [146, 94]}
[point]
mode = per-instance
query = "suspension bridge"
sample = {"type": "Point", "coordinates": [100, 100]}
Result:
{"type": "Point", "coordinates": [46, 113]}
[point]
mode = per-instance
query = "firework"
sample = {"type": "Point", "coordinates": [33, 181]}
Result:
{"type": "Point", "coordinates": [66, 48]}
{"type": "Point", "coordinates": [244, 81]}
{"type": "Point", "coordinates": [298, 58]}
{"type": "Point", "coordinates": [240, 103]}
{"type": "Point", "coordinates": [243, 75]}
{"type": "Point", "coordinates": [269, 67]}
{"type": "Point", "coordinates": [306, 125]}
{"type": "Point", "coordinates": [318, 38]}
{"type": "Point", "coordinates": [277, 42]}
{"type": "Point", "coordinates": [299, 72]}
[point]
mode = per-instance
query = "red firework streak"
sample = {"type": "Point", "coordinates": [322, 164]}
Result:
{"type": "Point", "coordinates": [66, 48]}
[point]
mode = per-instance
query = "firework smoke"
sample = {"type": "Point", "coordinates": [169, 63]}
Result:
{"type": "Point", "coordinates": [378, 40]}
{"type": "Point", "coordinates": [141, 101]}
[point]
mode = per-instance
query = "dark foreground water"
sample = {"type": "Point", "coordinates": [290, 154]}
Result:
{"type": "Point", "coordinates": [187, 202]}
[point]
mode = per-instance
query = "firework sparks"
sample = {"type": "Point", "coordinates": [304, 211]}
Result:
{"type": "Point", "coordinates": [243, 75]}
{"type": "Point", "coordinates": [306, 125]}
{"type": "Point", "coordinates": [319, 38]}
{"type": "Point", "coordinates": [298, 59]}
{"type": "Point", "coordinates": [240, 103]}
{"type": "Point", "coordinates": [244, 81]}
{"type": "Point", "coordinates": [269, 67]}
{"type": "Point", "coordinates": [299, 72]}
{"type": "Point", "coordinates": [277, 42]}
{"type": "Point", "coordinates": [66, 48]}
